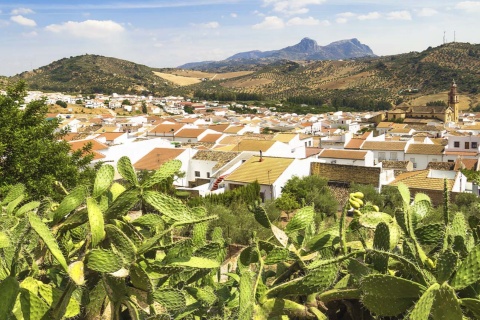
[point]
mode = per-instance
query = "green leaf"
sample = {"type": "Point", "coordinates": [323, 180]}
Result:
{"type": "Point", "coordinates": [171, 299]}
{"type": "Point", "coordinates": [302, 218]}
{"type": "Point", "coordinates": [126, 170]}
{"type": "Point", "coordinates": [196, 262]}
{"type": "Point", "coordinates": [103, 179]}
{"type": "Point", "coordinates": [404, 193]}
{"type": "Point", "coordinates": [473, 305]}
{"type": "Point", "coordinates": [30, 206]}
{"type": "Point", "coordinates": [13, 204]}
{"type": "Point", "coordinates": [261, 216]}
{"type": "Point", "coordinates": [104, 261]}
{"type": "Point", "coordinates": [9, 289]}
{"type": "Point", "coordinates": [446, 304]}
{"type": "Point", "coordinates": [386, 295]}
{"type": "Point", "coordinates": [247, 296]}
{"type": "Point", "coordinates": [423, 307]}
{"type": "Point", "coordinates": [430, 233]}
{"type": "Point", "coordinates": [469, 270]}
{"type": "Point", "coordinates": [44, 232]}
{"type": "Point", "coordinates": [4, 240]}
{"type": "Point", "coordinates": [73, 200]}
{"type": "Point", "coordinates": [95, 219]}
{"type": "Point", "coordinates": [14, 192]}
{"type": "Point", "coordinates": [371, 219]}
{"type": "Point", "coordinates": [165, 171]}
{"type": "Point", "coordinates": [123, 245]}
{"type": "Point", "coordinates": [32, 307]}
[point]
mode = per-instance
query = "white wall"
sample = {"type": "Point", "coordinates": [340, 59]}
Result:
{"type": "Point", "coordinates": [299, 168]}
{"type": "Point", "coordinates": [422, 160]}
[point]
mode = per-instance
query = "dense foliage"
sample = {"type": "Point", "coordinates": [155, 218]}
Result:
{"type": "Point", "coordinates": [90, 256]}
{"type": "Point", "coordinates": [30, 151]}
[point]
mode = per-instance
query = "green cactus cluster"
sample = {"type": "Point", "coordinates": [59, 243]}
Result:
{"type": "Point", "coordinates": [90, 257]}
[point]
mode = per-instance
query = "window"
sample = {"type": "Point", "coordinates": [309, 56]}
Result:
{"type": "Point", "coordinates": [467, 145]}
{"type": "Point", "coordinates": [456, 144]}
{"type": "Point", "coordinates": [474, 145]}
{"type": "Point", "coordinates": [197, 174]}
{"type": "Point", "coordinates": [208, 174]}
{"type": "Point", "coordinates": [393, 156]}
{"type": "Point", "coordinates": [381, 156]}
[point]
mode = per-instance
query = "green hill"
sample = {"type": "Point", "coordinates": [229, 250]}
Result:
{"type": "Point", "coordinates": [93, 74]}
{"type": "Point", "coordinates": [391, 78]}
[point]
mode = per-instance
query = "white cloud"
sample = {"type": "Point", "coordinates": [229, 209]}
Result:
{"type": "Point", "coordinates": [30, 34]}
{"type": "Point", "coordinates": [399, 15]}
{"type": "Point", "coordinates": [291, 7]}
{"type": "Point", "coordinates": [272, 22]}
{"type": "Point", "coordinates": [19, 11]}
{"type": "Point", "coordinates": [370, 16]}
{"type": "Point", "coordinates": [344, 17]}
{"type": "Point", "coordinates": [233, 15]}
{"type": "Point", "coordinates": [23, 21]}
{"type": "Point", "coordinates": [426, 12]}
{"type": "Point", "coordinates": [207, 25]}
{"type": "Point", "coordinates": [310, 21]}
{"type": "Point", "coordinates": [469, 6]}
{"type": "Point", "coordinates": [92, 29]}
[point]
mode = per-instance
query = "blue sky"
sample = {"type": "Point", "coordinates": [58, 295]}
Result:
{"type": "Point", "coordinates": [168, 33]}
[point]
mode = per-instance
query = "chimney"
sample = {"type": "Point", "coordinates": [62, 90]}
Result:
{"type": "Point", "coordinates": [261, 158]}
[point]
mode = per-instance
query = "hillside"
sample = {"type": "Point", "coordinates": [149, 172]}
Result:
{"type": "Point", "coordinates": [92, 74]}
{"type": "Point", "coordinates": [390, 78]}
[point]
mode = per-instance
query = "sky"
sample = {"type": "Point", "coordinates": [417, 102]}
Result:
{"type": "Point", "coordinates": [168, 33]}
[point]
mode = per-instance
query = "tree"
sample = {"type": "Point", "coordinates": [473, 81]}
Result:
{"type": "Point", "coordinates": [126, 102]}
{"type": "Point", "coordinates": [144, 107]}
{"type": "Point", "coordinates": [61, 103]}
{"type": "Point", "coordinates": [30, 150]}
{"type": "Point", "coordinates": [312, 190]}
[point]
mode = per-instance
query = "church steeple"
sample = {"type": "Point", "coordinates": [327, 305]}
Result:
{"type": "Point", "coordinates": [453, 100]}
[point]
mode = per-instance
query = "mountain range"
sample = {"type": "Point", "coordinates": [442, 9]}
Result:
{"type": "Point", "coordinates": [381, 78]}
{"type": "Point", "coordinates": [306, 49]}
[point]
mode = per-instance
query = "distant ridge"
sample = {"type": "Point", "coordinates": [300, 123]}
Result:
{"type": "Point", "coordinates": [306, 49]}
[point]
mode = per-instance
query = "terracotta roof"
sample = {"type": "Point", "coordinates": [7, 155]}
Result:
{"type": "Point", "coordinates": [384, 145]}
{"type": "Point", "coordinates": [233, 129]}
{"type": "Point", "coordinates": [254, 145]}
{"type": "Point", "coordinates": [461, 153]}
{"type": "Point", "coordinates": [212, 137]}
{"type": "Point", "coordinates": [355, 143]}
{"type": "Point", "coordinates": [231, 139]}
{"type": "Point", "coordinates": [310, 151]}
{"type": "Point", "coordinates": [265, 172]}
{"type": "Point", "coordinates": [110, 136]}
{"type": "Point", "coordinates": [390, 164]}
{"type": "Point", "coordinates": [220, 157]}
{"type": "Point", "coordinates": [155, 158]}
{"type": "Point", "coordinates": [79, 144]}
{"type": "Point", "coordinates": [284, 137]}
{"type": "Point", "coordinates": [400, 130]}
{"type": "Point", "coordinates": [189, 133]}
{"type": "Point", "coordinates": [219, 127]}
{"type": "Point", "coordinates": [420, 148]}
{"type": "Point", "coordinates": [384, 125]}
{"type": "Point", "coordinates": [166, 129]}
{"type": "Point", "coordinates": [470, 164]}
{"type": "Point", "coordinates": [440, 165]}
{"type": "Point", "coordinates": [342, 154]}
{"type": "Point", "coordinates": [420, 180]}
{"type": "Point", "coordinates": [70, 136]}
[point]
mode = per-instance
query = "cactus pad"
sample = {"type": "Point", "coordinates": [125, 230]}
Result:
{"type": "Point", "coordinates": [104, 261]}
{"type": "Point", "coordinates": [423, 307]}
{"type": "Point", "coordinates": [95, 219]}
{"type": "Point", "coordinates": [165, 171]}
{"type": "Point", "coordinates": [9, 289]}
{"type": "Point", "coordinates": [74, 199]}
{"type": "Point", "coordinates": [430, 233]}
{"type": "Point", "coordinates": [387, 295]}
{"type": "Point", "coordinates": [171, 299]}
{"type": "Point", "coordinates": [125, 168]}
{"type": "Point", "coordinates": [75, 271]}
{"type": "Point", "coordinates": [446, 265]}
{"type": "Point", "coordinates": [103, 179]}
{"type": "Point", "coordinates": [302, 218]}
{"type": "Point", "coordinates": [469, 270]}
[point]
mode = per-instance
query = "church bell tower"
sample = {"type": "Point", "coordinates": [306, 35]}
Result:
{"type": "Point", "coordinates": [453, 100]}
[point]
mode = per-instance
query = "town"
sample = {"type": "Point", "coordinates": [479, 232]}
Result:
{"type": "Point", "coordinates": [419, 146]}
